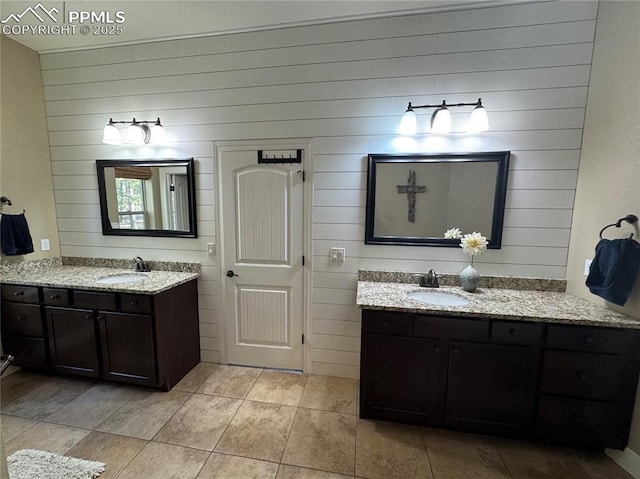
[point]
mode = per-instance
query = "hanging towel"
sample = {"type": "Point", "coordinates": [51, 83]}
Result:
{"type": "Point", "coordinates": [15, 238]}
{"type": "Point", "coordinates": [614, 269]}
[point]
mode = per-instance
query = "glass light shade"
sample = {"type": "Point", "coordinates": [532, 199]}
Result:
{"type": "Point", "coordinates": [111, 135]}
{"type": "Point", "coordinates": [441, 121]}
{"type": "Point", "coordinates": [158, 135]}
{"type": "Point", "coordinates": [478, 121]}
{"type": "Point", "coordinates": [408, 124]}
{"type": "Point", "coordinates": [136, 134]}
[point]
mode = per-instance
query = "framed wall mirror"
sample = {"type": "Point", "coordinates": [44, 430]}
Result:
{"type": "Point", "coordinates": [413, 199]}
{"type": "Point", "coordinates": [154, 197]}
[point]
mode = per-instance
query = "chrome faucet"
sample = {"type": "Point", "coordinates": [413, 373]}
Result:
{"type": "Point", "coordinates": [430, 281]}
{"type": "Point", "coordinates": [141, 266]}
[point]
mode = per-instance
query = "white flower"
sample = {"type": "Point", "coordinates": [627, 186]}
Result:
{"type": "Point", "coordinates": [453, 233]}
{"type": "Point", "coordinates": [473, 244]}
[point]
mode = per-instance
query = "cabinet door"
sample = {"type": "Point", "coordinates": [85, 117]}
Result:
{"type": "Point", "coordinates": [127, 348]}
{"type": "Point", "coordinates": [72, 341]}
{"type": "Point", "coordinates": [490, 388]}
{"type": "Point", "coordinates": [403, 379]}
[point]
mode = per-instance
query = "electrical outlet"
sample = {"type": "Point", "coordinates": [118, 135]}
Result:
{"type": "Point", "coordinates": [211, 248]}
{"type": "Point", "coordinates": [337, 255]}
{"type": "Point", "coordinates": [587, 266]}
{"type": "Point", "coordinates": [44, 245]}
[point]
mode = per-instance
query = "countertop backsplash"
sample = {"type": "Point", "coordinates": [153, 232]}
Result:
{"type": "Point", "coordinates": [501, 282]}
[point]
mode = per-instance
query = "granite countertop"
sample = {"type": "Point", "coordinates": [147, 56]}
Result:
{"type": "Point", "coordinates": [553, 307]}
{"type": "Point", "coordinates": [86, 277]}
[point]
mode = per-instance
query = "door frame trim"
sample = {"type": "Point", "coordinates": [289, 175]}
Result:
{"type": "Point", "coordinates": [305, 144]}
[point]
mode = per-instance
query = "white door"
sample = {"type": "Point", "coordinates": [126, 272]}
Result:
{"type": "Point", "coordinates": [262, 231]}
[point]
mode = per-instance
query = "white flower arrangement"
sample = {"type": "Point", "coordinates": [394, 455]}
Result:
{"type": "Point", "coordinates": [472, 244]}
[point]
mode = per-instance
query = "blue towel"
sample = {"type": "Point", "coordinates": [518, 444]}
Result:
{"type": "Point", "coordinates": [15, 238]}
{"type": "Point", "coordinates": [614, 269]}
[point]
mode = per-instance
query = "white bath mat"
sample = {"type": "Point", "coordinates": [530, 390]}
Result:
{"type": "Point", "coordinates": [33, 464]}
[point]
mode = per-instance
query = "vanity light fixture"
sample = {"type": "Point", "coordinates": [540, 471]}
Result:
{"type": "Point", "coordinates": [441, 118]}
{"type": "Point", "coordinates": [138, 132]}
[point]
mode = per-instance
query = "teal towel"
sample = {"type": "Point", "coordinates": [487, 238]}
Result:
{"type": "Point", "coordinates": [614, 269]}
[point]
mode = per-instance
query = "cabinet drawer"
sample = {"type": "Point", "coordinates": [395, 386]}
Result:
{"type": "Point", "coordinates": [23, 294]}
{"type": "Point", "coordinates": [582, 375]}
{"type": "Point", "coordinates": [388, 323]}
{"type": "Point", "coordinates": [28, 352]}
{"type": "Point", "coordinates": [136, 303]}
{"type": "Point", "coordinates": [22, 319]}
{"type": "Point", "coordinates": [575, 422]}
{"type": "Point", "coordinates": [55, 296]}
{"type": "Point", "coordinates": [455, 328]}
{"type": "Point", "coordinates": [94, 300]}
{"type": "Point", "coordinates": [513, 332]}
{"type": "Point", "coordinates": [592, 339]}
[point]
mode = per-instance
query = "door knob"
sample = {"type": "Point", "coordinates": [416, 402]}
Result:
{"type": "Point", "coordinates": [230, 274]}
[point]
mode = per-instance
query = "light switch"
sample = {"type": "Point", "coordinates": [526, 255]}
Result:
{"type": "Point", "coordinates": [211, 248]}
{"type": "Point", "coordinates": [337, 255]}
{"type": "Point", "coordinates": [587, 266]}
{"type": "Point", "coordinates": [44, 244]}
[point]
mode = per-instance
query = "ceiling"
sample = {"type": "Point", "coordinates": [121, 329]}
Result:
{"type": "Point", "coordinates": [153, 20]}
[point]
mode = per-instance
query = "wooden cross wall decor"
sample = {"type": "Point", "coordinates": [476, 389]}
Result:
{"type": "Point", "coordinates": [410, 189]}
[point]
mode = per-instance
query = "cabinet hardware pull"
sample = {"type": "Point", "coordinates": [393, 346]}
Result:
{"type": "Point", "coordinates": [133, 303]}
{"type": "Point", "coordinates": [18, 293]}
{"type": "Point", "coordinates": [512, 331]}
{"type": "Point", "coordinates": [456, 350]}
{"type": "Point", "coordinates": [20, 318]}
{"type": "Point", "coordinates": [436, 349]}
{"type": "Point", "coordinates": [88, 316]}
{"type": "Point", "coordinates": [587, 339]}
{"type": "Point", "coordinates": [580, 374]}
{"type": "Point", "coordinates": [55, 296]}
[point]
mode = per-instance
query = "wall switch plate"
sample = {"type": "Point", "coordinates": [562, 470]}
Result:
{"type": "Point", "coordinates": [211, 248]}
{"type": "Point", "coordinates": [45, 245]}
{"type": "Point", "coordinates": [587, 266]}
{"type": "Point", "coordinates": [337, 255]}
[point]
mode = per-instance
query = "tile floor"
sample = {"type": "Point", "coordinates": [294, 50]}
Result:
{"type": "Point", "coordinates": [243, 423]}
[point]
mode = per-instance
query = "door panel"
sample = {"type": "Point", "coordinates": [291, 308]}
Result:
{"type": "Point", "coordinates": [262, 225]}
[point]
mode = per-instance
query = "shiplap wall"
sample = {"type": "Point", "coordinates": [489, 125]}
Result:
{"type": "Point", "coordinates": [345, 85]}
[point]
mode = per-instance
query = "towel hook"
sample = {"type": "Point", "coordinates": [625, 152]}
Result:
{"type": "Point", "coordinates": [631, 219]}
{"type": "Point", "coordinates": [4, 200]}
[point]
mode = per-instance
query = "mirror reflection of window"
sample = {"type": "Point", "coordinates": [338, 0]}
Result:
{"type": "Point", "coordinates": [131, 203]}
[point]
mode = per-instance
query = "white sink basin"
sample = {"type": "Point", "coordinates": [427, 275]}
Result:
{"type": "Point", "coordinates": [122, 278]}
{"type": "Point", "coordinates": [437, 298]}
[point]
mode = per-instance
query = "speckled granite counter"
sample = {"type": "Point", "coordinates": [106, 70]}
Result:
{"type": "Point", "coordinates": [494, 303]}
{"type": "Point", "coordinates": [86, 277]}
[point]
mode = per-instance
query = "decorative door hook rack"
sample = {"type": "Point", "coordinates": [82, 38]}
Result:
{"type": "Point", "coordinates": [631, 219]}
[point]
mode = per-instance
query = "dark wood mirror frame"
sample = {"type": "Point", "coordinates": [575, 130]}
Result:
{"type": "Point", "coordinates": [494, 236]}
{"type": "Point", "coordinates": [188, 163]}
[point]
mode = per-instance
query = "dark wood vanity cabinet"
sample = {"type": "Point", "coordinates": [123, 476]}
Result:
{"type": "Point", "coordinates": [567, 384]}
{"type": "Point", "coordinates": [146, 340]}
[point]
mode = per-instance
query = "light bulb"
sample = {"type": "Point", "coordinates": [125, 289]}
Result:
{"type": "Point", "coordinates": [478, 120]}
{"type": "Point", "coordinates": [158, 134]}
{"type": "Point", "coordinates": [408, 124]}
{"type": "Point", "coordinates": [136, 133]}
{"type": "Point", "coordinates": [111, 135]}
{"type": "Point", "coordinates": [441, 120]}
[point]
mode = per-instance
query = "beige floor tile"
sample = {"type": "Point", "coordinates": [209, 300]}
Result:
{"type": "Point", "coordinates": [165, 461]}
{"type": "Point", "coordinates": [20, 383]}
{"type": "Point", "coordinates": [322, 440]}
{"type": "Point", "coordinates": [230, 381]}
{"type": "Point", "coordinates": [330, 394]}
{"type": "Point", "coordinates": [258, 430]}
{"type": "Point", "coordinates": [196, 377]}
{"type": "Point", "coordinates": [537, 461]}
{"type": "Point", "coordinates": [223, 466]}
{"type": "Point", "coordinates": [92, 407]}
{"type": "Point", "coordinates": [457, 455]}
{"type": "Point", "coordinates": [47, 398]}
{"type": "Point", "coordinates": [385, 450]}
{"type": "Point", "coordinates": [144, 414]}
{"type": "Point", "coordinates": [200, 422]}
{"type": "Point", "coordinates": [13, 426]}
{"type": "Point", "coordinates": [278, 387]}
{"type": "Point", "coordinates": [600, 466]}
{"type": "Point", "coordinates": [47, 437]}
{"type": "Point", "coordinates": [115, 451]}
{"type": "Point", "coordinates": [295, 472]}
